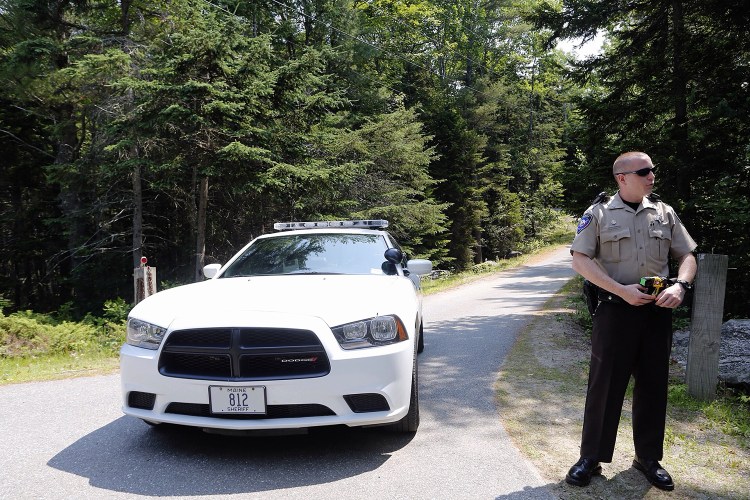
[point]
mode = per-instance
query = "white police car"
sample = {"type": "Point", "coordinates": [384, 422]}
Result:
{"type": "Point", "coordinates": [318, 324]}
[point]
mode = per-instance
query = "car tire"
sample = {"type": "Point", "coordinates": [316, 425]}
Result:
{"type": "Point", "coordinates": [410, 422]}
{"type": "Point", "coordinates": [420, 341]}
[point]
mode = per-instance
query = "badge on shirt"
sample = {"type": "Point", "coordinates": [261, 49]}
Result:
{"type": "Point", "coordinates": [584, 222]}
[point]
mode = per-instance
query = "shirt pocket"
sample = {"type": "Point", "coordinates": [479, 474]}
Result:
{"type": "Point", "coordinates": [614, 244]}
{"type": "Point", "coordinates": [660, 241]}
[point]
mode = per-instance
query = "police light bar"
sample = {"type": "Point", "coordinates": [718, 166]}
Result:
{"type": "Point", "coordinates": [367, 224]}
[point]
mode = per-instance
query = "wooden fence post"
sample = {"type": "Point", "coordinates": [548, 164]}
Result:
{"type": "Point", "coordinates": [705, 326]}
{"type": "Point", "coordinates": [144, 281]}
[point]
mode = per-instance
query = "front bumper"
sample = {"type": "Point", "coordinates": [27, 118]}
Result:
{"type": "Point", "coordinates": [382, 373]}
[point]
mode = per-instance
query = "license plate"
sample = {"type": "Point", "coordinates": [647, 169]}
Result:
{"type": "Point", "coordinates": [250, 400]}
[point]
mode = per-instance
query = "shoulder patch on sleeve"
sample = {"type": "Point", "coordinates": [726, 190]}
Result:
{"type": "Point", "coordinates": [584, 222]}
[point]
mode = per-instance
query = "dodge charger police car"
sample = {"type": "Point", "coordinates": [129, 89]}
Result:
{"type": "Point", "coordinates": [317, 324]}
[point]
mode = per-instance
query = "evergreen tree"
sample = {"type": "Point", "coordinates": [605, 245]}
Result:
{"type": "Point", "coordinates": [673, 83]}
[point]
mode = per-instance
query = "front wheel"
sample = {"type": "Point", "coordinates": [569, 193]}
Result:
{"type": "Point", "coordinates": [420, 340]}
{"type": "Point", "coordinates": [410, 422]}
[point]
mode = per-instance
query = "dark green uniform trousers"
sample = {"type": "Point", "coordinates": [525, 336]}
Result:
{"type": "Point", "coordinates": [627, 340]}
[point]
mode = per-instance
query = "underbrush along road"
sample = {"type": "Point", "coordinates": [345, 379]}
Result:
{"type": "Point", "coordinates": [68, 438]}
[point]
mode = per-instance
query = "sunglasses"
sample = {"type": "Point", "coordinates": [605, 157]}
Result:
{"type": "Point", "coordinates": [641, 172]}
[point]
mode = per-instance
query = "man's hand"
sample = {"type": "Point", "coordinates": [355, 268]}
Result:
{"type": "Point", "coordinates": [635, 296]}
{"type": "Point", "coordinates": [671, 297]}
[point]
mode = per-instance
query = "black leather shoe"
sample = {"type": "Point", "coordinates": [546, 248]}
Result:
{"type": "Point", "coordinates": [582, 472]}
{"type": "Point", "coordinates": [655, 473]}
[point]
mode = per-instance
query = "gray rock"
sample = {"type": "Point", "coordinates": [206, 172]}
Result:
{"type": "Point", "coordinates": [734, 352]}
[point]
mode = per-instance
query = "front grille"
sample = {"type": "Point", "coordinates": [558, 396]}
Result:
{"type": "Point", "coordinates": [365, 403]}
{"type": "Point", "coordinates": [243, 354]}
{"type": "Point", "coordinates": [205, 337]}
{"type": "Point", "coordinates": [293, 365]}
{"type": "Point", "coordinates": [272, 411]}
{"type": "Point", "coordinates": [196, 365]}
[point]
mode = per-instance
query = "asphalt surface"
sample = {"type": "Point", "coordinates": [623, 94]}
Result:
{"type": "Point", "coordinates": [69, 439]}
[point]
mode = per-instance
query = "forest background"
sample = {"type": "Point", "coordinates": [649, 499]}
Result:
{"type": "Point", "coordinates": [180, 129]}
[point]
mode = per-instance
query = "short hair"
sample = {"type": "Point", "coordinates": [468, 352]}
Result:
{"type": "Point", "coordinates": [627, 158]}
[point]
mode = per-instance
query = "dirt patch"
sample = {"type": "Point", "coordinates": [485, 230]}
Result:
{"type": "Point", "coordinates": [541, 394]}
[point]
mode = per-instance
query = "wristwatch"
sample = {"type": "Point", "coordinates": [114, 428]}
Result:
{"type": "Point", "coordinates": [685, 285]}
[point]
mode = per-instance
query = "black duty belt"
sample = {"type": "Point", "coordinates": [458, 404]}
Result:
{"type": "Point", "coordinates": [605, 296]}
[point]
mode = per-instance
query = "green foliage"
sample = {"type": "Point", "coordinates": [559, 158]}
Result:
{"type": "Point", "coordinates": [681, 317]}
{"type": "Point", "coordinates": [729, 411]}
{"type": "Point", "coordinates": [4, 303]}
{"type": "Point", "coordinates": [116, 311]}
{"type": "Point", "coordinates": [673, 82]}
{"type": "Point", "coordinates": [504, 229]}
{"type": "Point", "coordinates": [483, 268]}
{"type": "Point", "coordinates": [281, 113]}
{"type": "Point", "coordinates": [454, 120]}
{"type": "Point", "coordinates": [443, 279]}
{"type": "Point", "coordinates": [26, 334]}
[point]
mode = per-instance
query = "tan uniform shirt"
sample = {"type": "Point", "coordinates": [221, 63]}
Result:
{"type": "Point", "coordinates": [630, 244]}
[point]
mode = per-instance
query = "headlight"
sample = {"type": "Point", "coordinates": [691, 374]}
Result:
{"type": "Point", "coordinates": [143, 334]}
{"type": "Point", "coordinates": [380, 330]}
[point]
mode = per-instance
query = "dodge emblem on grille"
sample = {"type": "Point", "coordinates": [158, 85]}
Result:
{"type": "Point", "coordinates": [312, 359]}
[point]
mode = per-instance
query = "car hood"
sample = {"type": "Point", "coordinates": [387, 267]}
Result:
{"type": "Point", "coordinates": [336, 299]}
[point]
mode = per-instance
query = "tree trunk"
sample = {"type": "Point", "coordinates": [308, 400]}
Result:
{"type": "Point", "coordinates": [137, 216]}
{"type": "Point", "coordinates": [70, 198]}
{"type": "Point", "coordinates": [200, 247]}
{"type": "Point", "coordinates": [679, 94]}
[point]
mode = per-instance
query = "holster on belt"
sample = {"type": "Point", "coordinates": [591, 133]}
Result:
{"type": "Point", "coordinates": [591, 294]}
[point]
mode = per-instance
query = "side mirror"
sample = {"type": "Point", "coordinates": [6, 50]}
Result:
{"type": "Point", "coordinates": [419, 266]}
{"type": "Point", "coordinates": [210, 270]}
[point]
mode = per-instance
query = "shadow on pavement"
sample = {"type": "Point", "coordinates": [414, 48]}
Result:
{"type": "Point", "coordinates": [129, 456]}
{"type": "Point", "coordinates": [528, 493]}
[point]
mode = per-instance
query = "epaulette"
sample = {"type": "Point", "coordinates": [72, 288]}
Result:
{"type": "Point", "coordinates": [653, 197]}
{"type": "Point", "coordinates": [600, 198]}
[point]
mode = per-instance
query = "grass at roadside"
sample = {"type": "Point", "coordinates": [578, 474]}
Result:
{"type": "Point", "coordinates": [56, 366]}
{"type": "Point", "coordinates": [560, 234]}
{"type": "Point", "coordinates": [37, 346]}
{"type": "Point", "coordinates": [541, 393]}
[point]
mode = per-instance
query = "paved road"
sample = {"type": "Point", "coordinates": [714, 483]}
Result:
{"type": "Point", "coordinates": [68, 439]}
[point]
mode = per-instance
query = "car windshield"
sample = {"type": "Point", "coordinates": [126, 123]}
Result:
{"type": "Point", "coordinates": [296, 253]}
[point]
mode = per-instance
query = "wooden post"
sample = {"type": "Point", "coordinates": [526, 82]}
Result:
{"type": "Point", "coordinates": [705, 326]}
{"type": "Point", "coordinates": [200, 249]}
{"type": "Point", "coordinates": [144, 281]}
